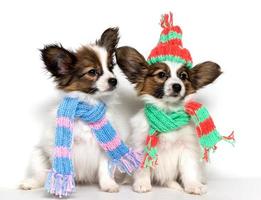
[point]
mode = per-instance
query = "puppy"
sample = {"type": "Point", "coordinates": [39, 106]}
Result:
{"type": "Point", "coordinates": [167, 85]}
{"type": "Point", "coordinates": [87, 74]}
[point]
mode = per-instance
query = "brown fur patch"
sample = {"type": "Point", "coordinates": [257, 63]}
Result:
{"type": "Point", "coordinates": [190, 89]}
{"type": "Point", "coordinates": [204, 73]}
{"type": "Point", "coordinates": [153, 83]}
{"type": "Point", "coordinates": [147, 79]}
{"type": "Point", "coordinates": [78, 71]}
{"type": "Point", "coordinates": [132, 63]}
{"type": "Point", "coordinates": [138, 71]}
{"type": "Point", "coordinates": [82, 80]}
{"type": "Point", "coordinates": [72, 76]}
{"type": "Point", "coordinates": [58, 60]}
{"type": "Point", "coordinates": [199, 76]}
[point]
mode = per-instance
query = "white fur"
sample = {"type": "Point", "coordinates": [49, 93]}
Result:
{"type": "Point", "coordinates": [179, 152]}
{"type": "Point", "coordinates": [172, 80]}
{"type": "Point", "coordinates": [89, 160]}
{"type": "Point", "coordinates": [102, 83]}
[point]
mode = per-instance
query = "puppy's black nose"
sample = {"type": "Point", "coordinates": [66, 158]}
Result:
{"type": "Point", "coordinates": [176, 87]}
{"type": "Point", "coordinates": [113, 82]}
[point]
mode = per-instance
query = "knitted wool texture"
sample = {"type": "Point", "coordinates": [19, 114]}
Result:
{"type": "Point", "coordinates": [170, 46]}
{"type": "Point", "coordinates": [60, 180]}
{"type": "Point", "coordinates": [163, 123]}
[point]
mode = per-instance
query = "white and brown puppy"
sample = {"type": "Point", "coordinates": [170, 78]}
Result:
{"type": "Point", "coordinates": [167, 85]}
{"type": "Point", "coordinates": [87, 74]}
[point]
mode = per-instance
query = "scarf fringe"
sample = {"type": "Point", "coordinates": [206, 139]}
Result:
{"type": "Point", "coordinates": [127, 164]}
{"type": "Point", "coordinates": [229, 139]}
{"type": "Point", "coordinates": [60, 185]}
{"type": "Point", "coordinates": [60, 180]}
{"type": "Point", "coordinates": [150, 159]}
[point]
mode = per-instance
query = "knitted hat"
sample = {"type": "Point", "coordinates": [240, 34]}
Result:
{"type": "Point", "coordinates": [170, 46]}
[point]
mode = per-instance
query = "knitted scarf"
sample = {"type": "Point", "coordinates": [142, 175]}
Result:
{"type": "Point", "coordinates": [163, 123]}
{"type": "Point", "coordinates": [60, 180]}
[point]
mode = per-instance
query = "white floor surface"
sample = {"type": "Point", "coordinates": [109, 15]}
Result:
{"type": "Point", "coordinates": [230, 189]}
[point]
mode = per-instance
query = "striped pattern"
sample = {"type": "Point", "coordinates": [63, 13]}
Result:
{"type": "Point", "coordinates": [161, 122]}
{"type": "Point", "coordinates": [99, 124]}
{"type": "Point", "coordinates": [170, 58]}
{"type": "Point", "coordinates": [205, 128]}
{"type": "Point", "coordinates": [62, 152]}
{"type": "Point", "coordinates": [113, 144]}
{"type": "Point", "coordinates": [64, 122]}
{"type": "Point", "coordinates": [170, 36]}
{"type": "Point", "coordinates": [60, 180]}
{"type": "Point", "coordinates": [170, 46]}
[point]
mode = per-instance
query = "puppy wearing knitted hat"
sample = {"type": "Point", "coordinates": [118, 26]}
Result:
{"type": "Point", "coordinates": [174, 133]}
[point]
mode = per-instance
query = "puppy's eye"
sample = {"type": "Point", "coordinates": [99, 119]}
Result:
{"type": "Point", "coordinates": [183, 75]}
{"type": "Point", "coordinates": [92, 72]}
{"type": "Point", "coordinates": [162, 75]}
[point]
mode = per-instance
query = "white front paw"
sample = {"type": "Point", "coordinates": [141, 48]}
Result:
{"type": "Point", "coordinates": [175, 185]}
{"type": "Point", "coordinates": [109, 186]}
{"type": "Point", "coordinates": [142, 186]}
{"type": "Point", "coordinates": [196, 188]}
{"type": "Point", "coordinates": [29, 184]}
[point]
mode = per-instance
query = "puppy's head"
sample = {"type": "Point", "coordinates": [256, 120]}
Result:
{"type": "Point", "coordinates": [164, 81]}
{"type": "Point", "coordinates": [89, 69]}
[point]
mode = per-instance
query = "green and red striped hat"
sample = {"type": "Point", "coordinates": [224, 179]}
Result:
{"type": "Point", "coordinates": [170, 46]}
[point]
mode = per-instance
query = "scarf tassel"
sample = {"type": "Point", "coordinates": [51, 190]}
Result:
{"type": "Point", "coordinates": [206, 155]}
{"type": "Point", "coordinates": [150, 159]}
{"type": "Point", "coordinates": [166, 20]}
{"type": "Point", "coordinates": [127, 164]}
{"type": "Point", "coordinates": [230, 139]}
{"type": "Point", "coordinates": [59, 185]}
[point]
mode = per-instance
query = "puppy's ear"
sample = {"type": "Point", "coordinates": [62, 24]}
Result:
{"type": "Point", "coordinates": [109, 39]}
{"type": "Point", "coordinates": [204, 74]}
{"type": "Point", "coordinates": [132, 63]}
{"type": "Point", "coordinates": [58, 61]}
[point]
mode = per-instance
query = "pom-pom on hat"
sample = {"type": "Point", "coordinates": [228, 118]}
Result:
{"type": "Point", "coordinates": [170, 46]}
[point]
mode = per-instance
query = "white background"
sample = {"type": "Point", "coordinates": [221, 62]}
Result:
{"type": "Point", "coordinates": [227, 32]}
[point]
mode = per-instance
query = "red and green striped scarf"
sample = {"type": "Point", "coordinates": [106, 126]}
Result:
{"type": "Point", "coordinates": [163, 123]}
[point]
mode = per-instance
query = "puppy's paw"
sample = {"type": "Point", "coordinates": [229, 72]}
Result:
{"type": "Point", "coordinates": [109, 186]}
{"type": "Point", "coordinates": [142, 187]}
{"type": "Point", "coordinates": [29, 184]}
{"type": "Point", "coordinates": [174, 185]}
{"type": "Point", "coordinates": [196, 188]}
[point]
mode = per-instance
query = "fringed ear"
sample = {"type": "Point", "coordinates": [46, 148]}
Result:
{"type": "Point", "coordinates": [132, 63]}
{"type": "Point", "coordinates": [109, 39]}
{"type": "Point", "coordinates": [58, 61]}
{"type": "Point", "coordinates": [204, 74]}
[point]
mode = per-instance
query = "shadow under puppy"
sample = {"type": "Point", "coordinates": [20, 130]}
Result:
{"type": "Point", "coordinates": [164, 82]}
{"type": "Point", "coordinates": [87, 75]}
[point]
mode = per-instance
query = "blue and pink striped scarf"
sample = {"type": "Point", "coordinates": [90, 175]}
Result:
{"type": "Point", "coordinates": [60, 180]}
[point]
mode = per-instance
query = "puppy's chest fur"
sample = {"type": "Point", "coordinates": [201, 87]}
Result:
{"type": "Point", "coordinates": [170, 146]}
{"type": "Point", "coordinates": [83, 134]}
{"type": "Point", "coordinates": [86, 152]}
